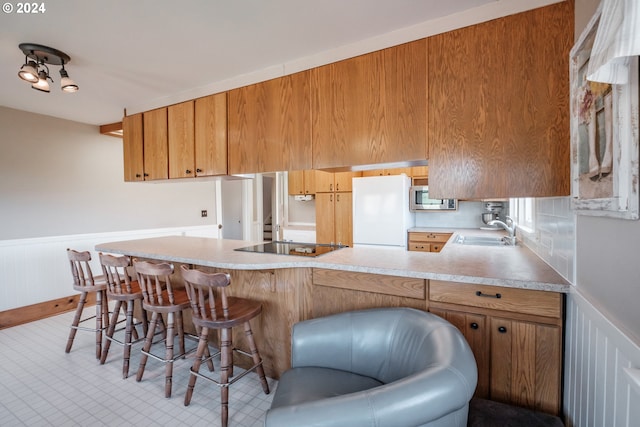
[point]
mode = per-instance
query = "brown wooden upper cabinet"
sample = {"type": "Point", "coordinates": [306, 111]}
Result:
{"type": "Point", "coordinates": [155, 146]}
{"type": "Point", "coordinates": [211, 135]}
{"type": "Point", "coordinates": [499, 107]}
{"type": "Point", "coordinates": [371, 109]}
{"type": "Point", "coordinates": [132, 143]}
{"type": "Point", "coordinates": [270, 125]}
{"type": "Point", "coordinates": [181, 140]}
{"type": "Point", "coordinates": [302, 182]}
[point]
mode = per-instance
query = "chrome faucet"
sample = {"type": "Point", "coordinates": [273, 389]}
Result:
{"type": "Point", "coordinates": [509, 226]}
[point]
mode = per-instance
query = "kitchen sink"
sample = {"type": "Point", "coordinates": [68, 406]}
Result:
{"type": "Point", "coordinates": [481, 241]}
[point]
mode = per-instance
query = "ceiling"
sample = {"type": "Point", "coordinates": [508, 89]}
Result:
{"type": "Point", "coordinates": [149, 53]}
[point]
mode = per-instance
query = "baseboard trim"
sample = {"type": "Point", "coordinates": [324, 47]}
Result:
{"type": "Point", "coordinates": [30, 313]}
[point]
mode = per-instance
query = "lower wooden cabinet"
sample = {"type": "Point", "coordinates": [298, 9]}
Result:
{"type": "Point", "coordinates": [427, 242]}
{"type": "Point", "coordinates": [516, 337]}
{"type": "Point", "coordinates": [334, 218]}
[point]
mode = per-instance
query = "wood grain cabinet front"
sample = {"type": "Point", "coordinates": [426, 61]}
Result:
{"type": "Point", "coordinates": [270, 126]}
{"type": "Point", "coordinates": [516, 336]}
{"type": "Point", "coordinates": [181, 131]}
{"type": "Point", "coordinates": [133, 147]}
{"type": "Point", "coordinates": [498, 103]}
{"type": "Point", "coordinates": [371, 109]}
{"type": "Point", "coordinates": [334, 218]}
{"type": "Point", "coordinates": [211, 135]}
{"type": "Point", "coordinates": [156, 144]}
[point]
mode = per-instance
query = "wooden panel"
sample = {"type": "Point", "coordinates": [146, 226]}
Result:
{"type": "Point", "coordinates": [325, 182]}
{"type": "Point", "coordinates": [498, 107]}
{"type": "Point", "coordinates": [279, 291]}
{"type": "Point", "coordinates": [539, 303]}
{"type": "Point", "coordinates": [296, 182]}
{"type": "Point", "coordinates": [29, 313]}
{"type": "Point", "coordinates": [211, 135]}
{"type": "Point", "coordinates": [156, 156]}
{"type": "Point", "coordinates": [325, 222]}
{"type": "Point", "coordinates": [419, 246]}
{"type": "Point", "coordinates": [310, 181]}
{"type": "Point", "coordinates": [475, 329]}
{"type": "Point", "coordinates": [132, 143]}
{"type": "Point", "coordinates": [429, 237]}
{"type": "Point", "coordinates": [330, 300]}
{"type": "Point", "coordinates": [181, 133]}
{"type": "Point", "coordinates": [344, 180]}
{"type": "Point", "coordinates": [371, 109]}
{"type": "Point", "coordinates": [270, 126]}
{"type": "Point", "coordinates": [526, 364]}
{"type": "Point", "coordinates": [343, 218]}
{"type": "Point", "coordinates": [548, 369]}
{"type": "Point", "coordinates": [373, 283]}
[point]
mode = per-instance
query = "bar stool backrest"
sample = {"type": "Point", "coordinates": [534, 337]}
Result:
{"type": "Point", "coordinates": [155, 282]}
{"type": "Point", "coordinates": [115, 270]}
{"type": "Point", "coordinates": [80, 269]}
{"type": "Point", "coordinates": [201, 288]}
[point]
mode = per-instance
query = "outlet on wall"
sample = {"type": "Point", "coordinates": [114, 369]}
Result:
{"type": "Point", "coordinates": [203, 213]}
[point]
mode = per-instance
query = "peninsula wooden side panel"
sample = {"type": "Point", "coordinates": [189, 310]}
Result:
{"type": "Point", "coordinates": [498, 107]}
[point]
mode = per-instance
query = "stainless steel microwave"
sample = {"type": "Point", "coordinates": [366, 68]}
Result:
{"type": "Point", "coordinates": [419, 200]}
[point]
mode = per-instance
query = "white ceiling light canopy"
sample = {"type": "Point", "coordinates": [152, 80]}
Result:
{"type": "Point", "coordinates": [36, 71]}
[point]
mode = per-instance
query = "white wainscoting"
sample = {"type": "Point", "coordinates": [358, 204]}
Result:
{"type": "Point", "coordinates": [602, 367]}
{"type": "Point", "coordinates": [37, 270]}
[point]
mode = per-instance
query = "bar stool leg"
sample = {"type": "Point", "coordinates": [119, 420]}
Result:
{"type": "Point", "coordinates": [127, 339]}
{"type": "Point", "coordinates": [76, 321]}
{"type": "Point", "coordinates": [110, 331]}
{"type": "Point", "coordinates": [202, 349]}
{"type": "Point", "coordinates": [147, 346]}
{"type": "Point", "coordinates": [169, 354]}
{"type": "Point", "coordinates": [255, 355]}
{"type": "Point", "coordinates": [225, 361]}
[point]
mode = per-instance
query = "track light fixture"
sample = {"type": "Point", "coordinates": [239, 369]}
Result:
{"type": "Point", "coordinates": [35, 69]}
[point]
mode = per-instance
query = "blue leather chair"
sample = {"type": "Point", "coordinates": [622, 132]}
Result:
{"type": "Point", "coordinates": [381, 367]}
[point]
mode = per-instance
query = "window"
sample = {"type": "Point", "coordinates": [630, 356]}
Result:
{"type": "Point", "coordinates": [522, 211]}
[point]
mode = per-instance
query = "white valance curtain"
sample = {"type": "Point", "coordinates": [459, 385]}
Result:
{"type": "Point", "coordinates": [617, 39]}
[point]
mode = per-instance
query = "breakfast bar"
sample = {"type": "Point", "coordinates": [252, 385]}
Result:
{"type": "Point", "coordinates": [467, 285]}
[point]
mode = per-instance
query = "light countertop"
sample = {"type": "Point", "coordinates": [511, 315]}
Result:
{"type": "Point", "coordinates": [499, 266]}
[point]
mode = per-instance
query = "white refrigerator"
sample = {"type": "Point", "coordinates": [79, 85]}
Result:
{"type": "Point", "coordinates": [381, 213]}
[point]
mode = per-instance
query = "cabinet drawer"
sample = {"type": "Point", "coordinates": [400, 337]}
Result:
{"type": "Point", "coordinates": [538, 303]}
{"type": "Point", "coordinates": [419, 246]}
{"type": "Point", "coordinates": [418, 236]}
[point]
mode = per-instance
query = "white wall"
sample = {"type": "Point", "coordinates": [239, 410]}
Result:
{"type": "Point", "coordinates": [59, 177]}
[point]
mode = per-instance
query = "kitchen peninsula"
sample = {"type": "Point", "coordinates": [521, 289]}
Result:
{"type": "Point", "coordinates": [472, 286]}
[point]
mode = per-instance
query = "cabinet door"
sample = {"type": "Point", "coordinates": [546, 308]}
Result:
{"type": "Point", "coordinates": [325, 227]}
{"type": "Point", "coordinates": [343, 180]}
{"type": "Point", "coordinates": [325, 182]}
{"type": "Point", "coordinates": [498, 107]}
{"type": "Point", "coordinates": [132, 143]}
{"type": "Point", "coordinates": [371, 109]}
{"type": "Point", "coordinates": [296, 182]}
{"type": "Point", "coordinates": [270, 126]}
{"type": "Point", "coordinates": [526, 364]}
{"type": "Point", "coordinates": [211, 135]}
{"type": "Point", "coordinates": [343, 218]}
{"type": "Point", "coordinates": [156, 156]}
{"type": "Point", "coordinates": [181, 140]}
{"type": "Point", "coordinates": [474, 327]}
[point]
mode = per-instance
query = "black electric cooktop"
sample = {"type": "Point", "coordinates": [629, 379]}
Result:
{"type": "Point", "coordinates": [292, 248]}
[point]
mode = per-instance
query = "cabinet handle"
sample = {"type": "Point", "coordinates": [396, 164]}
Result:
{"type": "Point", "coordinates": [338, 187]}
{"type": "Point", "coordinates": [198, 170]}
{"type": "Point", "coordinates": [474, 325]}
{"type": "Point", "coordinates": [337, 197]}
{"type": "Point", "coordinates": [502, 330]}
{"type": "Point", "coordinates": [138, 175]}
{"type": "Point", "coordinates": [331, 198]}
{"type": "Point", "coordinates": [330, 187]}
{"type": "Point", "coordinates": [188, 171]}
{"type": "Point", "coordinates": [145, 174]}
{"type": "Point", "coordinates": [481, 294]}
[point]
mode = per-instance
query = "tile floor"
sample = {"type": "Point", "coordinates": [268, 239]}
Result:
{"type": "Point", "coordinates": [41, 385]}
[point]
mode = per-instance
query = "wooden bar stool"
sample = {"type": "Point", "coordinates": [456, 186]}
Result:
{"type": "Point", "coordinates": [85, 282]}
{"type": "Point", "coordinates": [123, 290]}
{"type": "Point", "coordinates": [222, 313]}
{"type": "Point", "coordinates": [160, 298]}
